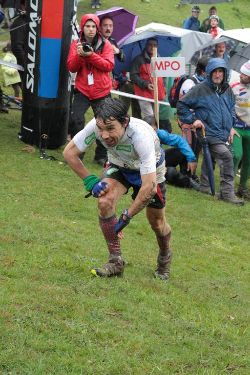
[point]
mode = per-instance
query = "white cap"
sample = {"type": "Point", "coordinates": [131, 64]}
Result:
{"type": "Point", "coordinates": [245, 69]}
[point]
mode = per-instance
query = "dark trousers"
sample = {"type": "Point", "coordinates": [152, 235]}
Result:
{"type": "Point", "coordinates": [174, 158]}
{"type": "Point", "coordinates": [128, 88]}
{"type": "Point", "coordinates": [80, 105]}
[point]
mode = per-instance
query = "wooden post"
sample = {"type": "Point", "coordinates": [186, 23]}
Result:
{"type": "Point", "coordinates": [156, 100]}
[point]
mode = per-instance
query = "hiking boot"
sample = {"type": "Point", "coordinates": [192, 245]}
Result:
{"type": "Point", "coordinates": [194, 185]}
{"type": "Point", "coordinates": [243, 193]}
{"type": "Point", "coordinates": [231, 199]}
{"type": "Point", "coordinates": [114, 267]}
{"type": "Point", "coordinates": [205, 190]}
{"type": "Point", "coordinates": [163, 266]}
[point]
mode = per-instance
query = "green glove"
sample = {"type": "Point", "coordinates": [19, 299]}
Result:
{"type": "Point", "coordinates": [90, 181]}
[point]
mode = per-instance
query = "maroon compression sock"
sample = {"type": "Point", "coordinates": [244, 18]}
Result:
{"type": "Point", "coordinates": [108, 229]}
{"type": "Point", "coordinates": [163, 242]}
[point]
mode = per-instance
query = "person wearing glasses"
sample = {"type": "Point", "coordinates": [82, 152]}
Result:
{"type": "Point", "coordinates": [193, 23]}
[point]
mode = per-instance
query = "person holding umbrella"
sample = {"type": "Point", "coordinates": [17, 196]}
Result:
{"type": "Point", "coordinates": [210, 106]}
{"type": "Point", "coordinates": [241, 145]}
{"type": "Point", "coordinates": [140, 75]}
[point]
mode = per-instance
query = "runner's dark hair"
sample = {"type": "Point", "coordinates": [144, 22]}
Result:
{"type": "Point", "coordinates": [112, 108]}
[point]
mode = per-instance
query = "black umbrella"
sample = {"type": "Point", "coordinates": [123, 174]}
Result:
{"type": "Point", "coordinates": [208, 160]}
{"type": "Point", "coordinates": [239, 58]}
{"type": "Point", "coordinates": [208, 49]}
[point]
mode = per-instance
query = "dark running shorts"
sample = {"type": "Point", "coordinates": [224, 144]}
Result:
{"type": "Point", "coordinates": [158, 201]}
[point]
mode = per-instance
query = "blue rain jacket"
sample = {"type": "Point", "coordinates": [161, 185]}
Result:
{"type": "Point", "coordinates": [213, 105]}
{"type": "Point", "coordinates": [176, 140]}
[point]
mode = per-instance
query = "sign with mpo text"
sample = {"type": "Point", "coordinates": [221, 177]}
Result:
{"type": "Point", "coordinates": [167, 66]}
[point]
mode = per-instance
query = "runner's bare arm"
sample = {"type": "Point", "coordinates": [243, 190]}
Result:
{"type": "Point", "coordinates": [72, 156]}
{"type": "Point", "coordinates": [145, 194]}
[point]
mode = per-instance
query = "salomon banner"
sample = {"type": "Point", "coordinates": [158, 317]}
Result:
{"type": "Point", "coordinates": [46, 90]}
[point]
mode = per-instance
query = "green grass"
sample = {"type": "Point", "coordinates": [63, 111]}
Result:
{"type": "Point", "coordinates": [56, 319]}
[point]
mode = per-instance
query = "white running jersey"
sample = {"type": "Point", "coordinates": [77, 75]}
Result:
{"type": "Point", "coordinates": [138, 149]}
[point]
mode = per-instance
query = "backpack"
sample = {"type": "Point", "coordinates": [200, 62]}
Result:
{"type": "Point", "coordinates": [174, 92]}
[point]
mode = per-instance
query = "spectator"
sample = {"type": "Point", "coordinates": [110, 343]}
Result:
{"type": "Point", "coordinates": [3, 107]}
{"type": "Point", "coordinates": [19, 37]}
{"type": "Point", "coordinates": [205, 26]}
{"type": "Point", "coordinates": [95, 4]}
{"type": "Point", "coordinates": [140, 75]}
{"type": "Point", "coordinates": [187, 131]}
{"type": "Point", "coordinates": [180, 154]}
{"type": "Point", "coordinates": [193, 23]}
{"type": "Point", "coordinates": [220, 51]}
{"type": "Point", "coordinates": [210, 105]}
{"type": "Point", "coordinates": [106, 29]}
{"type": "Point", "coordinates": [10, 75]}
{"type": "Point", "coordinates": [92, 59]}
{"type": "Point", "coordinates": [137, 161]}
{"type": "Point", "coordinates": [120, 81]}
{"type": "Point", "coordinates": [241, 145]}
{"type": "Point", "coordinates": [214, 30]}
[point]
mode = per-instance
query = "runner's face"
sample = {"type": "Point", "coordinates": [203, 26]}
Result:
{"type": "Point", "coordinates": [89, 30]}
{"type": "Point", "coordinates": [244, 79]}
{"type": "Point", "coordinates": [106, 27]}
{"type": "Point", "coordinates": [218, 76]}
{"type": "Point", "coordinates": [110, 131]}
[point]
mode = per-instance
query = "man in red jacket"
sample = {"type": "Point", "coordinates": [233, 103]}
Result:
{"type": "Point", "coordinates": [92, 58]}
{"type": "Point", "coordinates": [140, 75]}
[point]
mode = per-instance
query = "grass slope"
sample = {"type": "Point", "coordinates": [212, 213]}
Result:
{"type": "Point", "coordinates": [56, 319]}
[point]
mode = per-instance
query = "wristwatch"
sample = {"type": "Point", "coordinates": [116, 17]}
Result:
{"type": "Point", "coordinates": [127, 216]}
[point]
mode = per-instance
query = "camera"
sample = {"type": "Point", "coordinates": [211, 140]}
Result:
{"type": "Point", "coordinates": [86, 47]}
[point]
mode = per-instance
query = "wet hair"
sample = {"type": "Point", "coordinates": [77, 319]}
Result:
{"type": "Point", "coordinates": [201, 65]}
{"type": "Point", "coordinates": [112, 108]}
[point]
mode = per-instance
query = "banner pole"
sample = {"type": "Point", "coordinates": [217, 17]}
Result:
{"type": "Point", "coordinates": [156, 99]}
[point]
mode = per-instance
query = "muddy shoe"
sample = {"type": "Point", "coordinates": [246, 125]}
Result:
{"type": "Point", "coordinates": [232, 199]}
{"type": "Point", "coordinates": [114, 267]}
{"type": "Point", "coordinates": [205, 189]}
{"type": "Point", "coordinates": [243, 193]}
{"type": "Point", "coordinates": [163, 266]}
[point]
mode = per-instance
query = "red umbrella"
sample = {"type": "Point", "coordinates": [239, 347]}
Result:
{"type": "Point", "coordinates": [124, 22]}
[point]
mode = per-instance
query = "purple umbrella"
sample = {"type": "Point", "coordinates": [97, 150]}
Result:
{"type": "Point", "coordinates": [124, 22]}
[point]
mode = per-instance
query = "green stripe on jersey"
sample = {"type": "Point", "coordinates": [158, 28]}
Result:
{"type": "Point", "coordinates": [90, 139]}
{"type": "Point", "coordinates": [125, 148]}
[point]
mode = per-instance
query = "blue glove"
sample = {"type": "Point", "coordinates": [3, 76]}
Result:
{"type": "Point", "coordinates": [98, 188]}
{"type": "Point", "coordinates": [123, 221]}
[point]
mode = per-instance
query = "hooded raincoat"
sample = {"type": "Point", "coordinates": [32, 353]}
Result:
{"type": "Point", "coordinates": [100, 64]}
{"type": "Point", "coordinates": [213, 105]}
